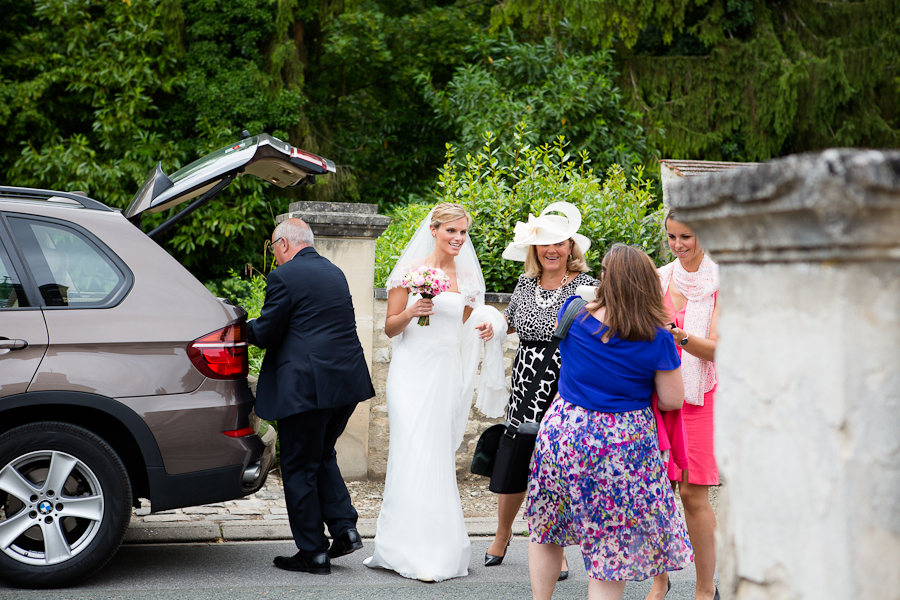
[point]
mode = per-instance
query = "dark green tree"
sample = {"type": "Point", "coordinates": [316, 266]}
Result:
{"type": "Point", "coordinates": [563, 87]}
{"type": "Point", "coordinates": [95, 93]}
{"type": "Point", "coordinates": [77, 88]}
{"type": "Point", "coordinates": [365, 105]}
{"type": "Point", "coordinates": [747, 79]}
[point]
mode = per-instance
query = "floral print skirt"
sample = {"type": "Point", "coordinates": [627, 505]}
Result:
{"type": "Point", "coordinates": [597, 481]}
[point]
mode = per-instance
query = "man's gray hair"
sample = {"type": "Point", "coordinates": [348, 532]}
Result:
{"type": "Point", "coordinates": [295, 231]}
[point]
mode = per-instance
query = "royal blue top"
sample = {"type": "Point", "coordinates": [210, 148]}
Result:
{"type": "Point", "coordinates": [614, 377]}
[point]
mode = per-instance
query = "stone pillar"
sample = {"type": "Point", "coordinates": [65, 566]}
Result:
{"type": "Point", "coordinates": [808, 409]}
{"type": "Point", "coordinates": [345, 234]}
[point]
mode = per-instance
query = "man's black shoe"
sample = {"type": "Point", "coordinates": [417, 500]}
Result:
{"type": "Point", "coordinates": [345, 544]}
{"type": "Point", "coordinates": [317, 563]}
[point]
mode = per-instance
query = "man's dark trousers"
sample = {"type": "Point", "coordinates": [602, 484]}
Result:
{"type": "Point", "coordinates": [316, 486]}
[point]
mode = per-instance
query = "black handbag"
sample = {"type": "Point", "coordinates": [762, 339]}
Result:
{"type": "Point", "coordinates": [503, 451]}
{"type": "Point", "coordinates": [486, 450]}
{"type": "Point", "coordinates": [513, 460]}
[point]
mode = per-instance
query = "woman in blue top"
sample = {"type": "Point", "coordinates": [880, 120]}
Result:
{"type": "Point", "coordinates": [597, 479]}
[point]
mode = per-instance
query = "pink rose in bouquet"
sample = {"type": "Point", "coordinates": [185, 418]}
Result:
{"type": "Point", "coordinates": [427, 281]}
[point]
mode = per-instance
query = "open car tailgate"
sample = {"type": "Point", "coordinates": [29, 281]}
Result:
{"type": "Point", "coordinates": [263, 156]}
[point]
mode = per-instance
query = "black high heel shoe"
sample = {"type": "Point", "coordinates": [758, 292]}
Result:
{"type": "Point", "coordinates": [492, 561]}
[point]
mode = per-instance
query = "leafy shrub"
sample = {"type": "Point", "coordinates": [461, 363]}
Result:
{"type": "Point", "coordinates": [497, 193]}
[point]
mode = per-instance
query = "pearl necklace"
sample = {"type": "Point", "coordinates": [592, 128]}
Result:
{"type": "Point", "coordinates": [549, 301]}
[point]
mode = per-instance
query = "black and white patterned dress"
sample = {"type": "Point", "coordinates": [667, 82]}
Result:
{"type": "Point", "coordinates": [535, 326]}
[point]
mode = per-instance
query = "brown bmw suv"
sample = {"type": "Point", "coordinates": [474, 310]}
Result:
{"type": "Point", "coordinates": [121, 376]}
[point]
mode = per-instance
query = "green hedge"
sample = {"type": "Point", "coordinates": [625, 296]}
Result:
{"type": "Point", "coordinates": [498, 193]}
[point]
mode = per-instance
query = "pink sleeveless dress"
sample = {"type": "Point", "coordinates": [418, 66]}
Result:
{"type": "Point", "coordinates": [698, 423]}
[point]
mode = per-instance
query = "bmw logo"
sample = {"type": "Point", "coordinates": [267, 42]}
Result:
{"type": "Point", "coordinates": [45, 507]}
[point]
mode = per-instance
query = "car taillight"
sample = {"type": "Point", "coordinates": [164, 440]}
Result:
{"type": "Point", "coordinates": [312, 158]}
{"type": "Point", "coordinates": [236, 433]}
{"type": "Point", "coordinates": [221, 354]}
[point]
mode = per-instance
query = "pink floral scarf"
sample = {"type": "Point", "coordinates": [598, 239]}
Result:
{"type": "Point", "coordinates": [699, 288]}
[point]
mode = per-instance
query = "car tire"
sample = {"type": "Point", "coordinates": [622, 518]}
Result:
{"type": "Point", "coordinates": [50, 537]}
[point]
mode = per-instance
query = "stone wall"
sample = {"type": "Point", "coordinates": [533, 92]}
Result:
{"type": "Point", "coordinates": [378, 417]}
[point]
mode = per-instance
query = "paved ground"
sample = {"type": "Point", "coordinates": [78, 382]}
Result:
{"type": "Point", "coordinates": [244, 571]}
{"type": "Point", "coordinates": [263, 515]}
{"type": "Point", "coordinates": [224, 551]}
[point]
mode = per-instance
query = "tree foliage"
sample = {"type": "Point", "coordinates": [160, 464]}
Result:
{"type": "Point", "coordinates": [746, 79]}
{"type": "Point", "coordinates": [601, 19]}
{"type": "Point", "coordinates": [78, 95]}
{"type": "Point", "coordinates": [805, 76]}
{"type": "Point", "coordinates": [93, 93]}
{"type": "Point", "coordinates": [559, 88]}
{"type": "Point", "coordinates": [366, 108]}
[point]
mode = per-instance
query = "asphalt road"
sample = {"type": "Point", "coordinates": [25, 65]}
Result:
{"type": "Point", "coordinates": [232, 571]}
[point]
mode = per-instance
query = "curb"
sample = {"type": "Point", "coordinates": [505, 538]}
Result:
{"type": "Point", "coordinates": [212, 532]}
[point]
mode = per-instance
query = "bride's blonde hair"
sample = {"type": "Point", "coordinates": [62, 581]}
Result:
{"type": "Point", "coordinates": [448, 211]}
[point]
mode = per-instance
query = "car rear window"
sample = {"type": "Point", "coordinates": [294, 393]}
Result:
{"type": "Point", "coordinates": [69, 268]}
{"type": "Point", "coordinates": [209, 159]}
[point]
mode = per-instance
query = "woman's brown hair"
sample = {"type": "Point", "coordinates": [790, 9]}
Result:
{"type": "Point", "coordinates": [670, 214]}
{"type": "Point", "coordinates": [630, 292]}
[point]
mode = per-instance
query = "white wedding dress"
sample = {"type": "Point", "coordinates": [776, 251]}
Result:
{"type": "Point", "coordinates": [421, 533]}
{"type": "Point", "coordinates": [432, 379]}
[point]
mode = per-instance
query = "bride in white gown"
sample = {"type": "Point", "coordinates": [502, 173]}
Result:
{"type": "Point", "coordinates": [421, 533]}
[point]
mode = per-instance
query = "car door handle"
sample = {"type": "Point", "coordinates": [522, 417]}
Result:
{"type": "Point", "coordinates": [7, 344]}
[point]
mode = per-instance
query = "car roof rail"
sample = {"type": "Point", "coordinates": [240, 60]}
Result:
{"type": "Point", "coordinates": [35, 194]}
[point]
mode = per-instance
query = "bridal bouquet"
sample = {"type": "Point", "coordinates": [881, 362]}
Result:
{"type": "Point", "coordinates": [427, 281]}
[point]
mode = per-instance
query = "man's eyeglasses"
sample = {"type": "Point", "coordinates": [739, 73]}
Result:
{"type": "Point", "coordinates": [271, 243]}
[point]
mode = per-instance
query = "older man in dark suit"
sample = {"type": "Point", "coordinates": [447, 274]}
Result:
{"type": "Point", "coordinates": [312, 378]}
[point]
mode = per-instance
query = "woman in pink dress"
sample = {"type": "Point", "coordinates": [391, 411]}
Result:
{"type": "Point", "coordinates": [690, 285]}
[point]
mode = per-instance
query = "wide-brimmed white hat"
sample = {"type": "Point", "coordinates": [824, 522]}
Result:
{"type": "Point", "coordinates": [547, 229]}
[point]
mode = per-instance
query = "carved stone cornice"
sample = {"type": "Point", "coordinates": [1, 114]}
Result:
{"type": "Point", "coordinates": [339, 219]}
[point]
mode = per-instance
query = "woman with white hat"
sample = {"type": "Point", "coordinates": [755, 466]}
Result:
{"type": "Point", "coordinates": [553, 253]}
